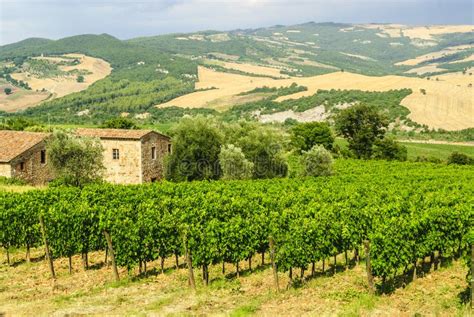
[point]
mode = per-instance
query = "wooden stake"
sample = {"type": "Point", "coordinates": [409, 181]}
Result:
{"type": "Point", "coordinates": [189, 262]}
{"type": "Point", "coordinates": [70, 265]}
{"type": "Point", "coordinates": [8, 256]}
{"type": "Point", "coordinates": [274, 267]}
{"type": "Point", "coordinates": [112, 255]}
{"type": "Point", "coordinates": [28, 253]}
{"type": "Point", "coordinates": [46, 248]}
{"type": "Point", "coordinates": [370, 277]}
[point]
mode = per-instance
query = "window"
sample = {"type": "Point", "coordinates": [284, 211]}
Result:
{"type": "Point", "coordinates": [169, 148]}
{"type": "Point", "coordinates": [153, 153]}
{"type": "Point", "coordinates": [22, 166]}
{"type": "Point", "coordinates": [43, 156]}
{"type": "Point", "coordinates": [115, 154]}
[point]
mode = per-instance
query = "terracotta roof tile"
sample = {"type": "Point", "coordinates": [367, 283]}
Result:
{"type": "Point", "coordinates": [14, 143]}
{"type": "Point", "coordinates": [114, 133]}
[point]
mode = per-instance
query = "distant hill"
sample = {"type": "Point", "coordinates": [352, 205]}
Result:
{"type": "Point", "coordinates": [152, 70]}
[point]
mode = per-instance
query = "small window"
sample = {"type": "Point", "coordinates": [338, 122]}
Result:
{"type": "Point", "coordinates": [169, 148]}
{"type": "Point", "coordinates": [153, 153]}
{"type": "Point", "coordinates": [43, 156]}
{"type": "Point", "coordinates": [22, 166]}
{"type": "Point", "coordinates": [115, 154]}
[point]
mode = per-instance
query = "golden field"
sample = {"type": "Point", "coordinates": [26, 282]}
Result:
{"type": "Point", "coordinates": [448, 102]}
{"type": "Point", "coordinates": [54, 87]}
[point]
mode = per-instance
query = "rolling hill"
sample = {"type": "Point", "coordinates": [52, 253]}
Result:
{"type": "Point", "coordinates": [152, 71]}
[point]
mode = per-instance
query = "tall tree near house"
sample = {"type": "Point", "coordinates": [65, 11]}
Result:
{"type": "Point", "coordinates": [196, 147]}
{"type": "Point", "coordinates": [362, 126]}
{"type": "Point", "coordinates": [75, 161]}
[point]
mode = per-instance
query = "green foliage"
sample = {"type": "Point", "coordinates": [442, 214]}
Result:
{"type": "Point", "coordinates": [196, 147]}
{"type": "Point", "coordinates": [317, 162]}
{"type": "Point", "coordinates": [460, 159]}
{"type": "Point", "coordinates": [262, 145]}
{"type": "Point", "coordinates": [107, 99]}
{"type": "Point", "coordinates": [11, 181]}
{"type": "Point", "coordinates": [120, 123]}
{"type": "Point", "coordinates": [277, 92]}
{"type": "Point", "coordinates": [233, 163]}
{"type": "Point", "coordinates": [389, 149]}
{"type": "Point", "coordinates": [306, 135]}
{"type": "Point", "coordinates": [80, 79]}
{"type": "Point", "coordinates": [361, 125]}
{"type": "Point", "coordinates": [18, 124]}
{"type": "Point", "coordinates": [406, 210]}
{"type": "Point", "coordinates": [75, 161]}
{"type": "Point", "coordinates": [7, 91]}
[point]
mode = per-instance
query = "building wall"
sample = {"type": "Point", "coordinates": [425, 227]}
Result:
{"type": "Point", "coordinates": [153, 169]}
{"type": "Point", "coordinates": [127, 169]}
{"type": "Point", "coordinates": [33, 172]}
{"type": "Point", "coordinates": [5, 170]}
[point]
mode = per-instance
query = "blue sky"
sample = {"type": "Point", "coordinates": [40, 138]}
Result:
{"type": "Point", "coordinates": [124, 19]}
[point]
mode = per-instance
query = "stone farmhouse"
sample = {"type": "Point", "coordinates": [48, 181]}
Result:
{"type": "Point", "coordinates": [131, 156]}
{"type": "Point", "coordinates": [23, 156]}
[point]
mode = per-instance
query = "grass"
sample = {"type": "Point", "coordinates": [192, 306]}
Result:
{"type": "Point", "coordinates": [27, 289]}
{"type": "Point", "coordinates": [439, 151]}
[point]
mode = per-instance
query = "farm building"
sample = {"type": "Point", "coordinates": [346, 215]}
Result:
{"type": "Point", "coordinates": [131, 156]}
{"type": "Point", "coordinates": [23, 156]}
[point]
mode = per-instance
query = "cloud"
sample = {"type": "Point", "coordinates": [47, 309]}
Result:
{"type": "Point", "coordinates": [126, 18]}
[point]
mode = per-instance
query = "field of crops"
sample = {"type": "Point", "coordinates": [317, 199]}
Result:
{"type": "Point", "coordinates": [400, 212]}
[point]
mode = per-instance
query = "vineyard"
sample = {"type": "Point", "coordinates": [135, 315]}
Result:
{"type": "Point", "coordinates": [397, 214]}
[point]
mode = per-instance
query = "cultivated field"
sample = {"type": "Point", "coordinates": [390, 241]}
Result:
{"type": "Point", "coordinates": [94, 69]}
{"type": "Point", "coordinates": [427, 33]}
{"type": "Point", "coordinates": [434, 55]}
{"type": "Point", "coordinates": [444, 103]}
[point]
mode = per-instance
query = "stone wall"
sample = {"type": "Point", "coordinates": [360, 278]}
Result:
{"type": "Point", "coordinates": [5, 170]}
{"type": "Point", "coordinates": [33, 171]}
{"type": "Point", "coordinates": [153, 169]}
{"type": "Point", "coordinates": [127, 169]}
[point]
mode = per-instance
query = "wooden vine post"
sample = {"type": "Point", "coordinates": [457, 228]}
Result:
{"type": "Point", "coordinates": [112, 255]}
{"type": "Point", "coordinates": [189, 263]}
{"type": "Point", "coordinates": [272, 258]}
{"type": "Point", "coordinates": [46, 248]}
{"type": "Point", "coordinates": [472, 275]}
{"type": "Point", "coordinates": [370, 277]}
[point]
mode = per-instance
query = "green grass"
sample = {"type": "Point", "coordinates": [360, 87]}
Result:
{"type": "Point", "coordinates": [439, 151]}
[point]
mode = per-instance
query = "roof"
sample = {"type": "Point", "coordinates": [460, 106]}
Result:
{"type": "Point", "coordinates": [15, 143]}
{"type": "Point", "coordinates": [115, 133]}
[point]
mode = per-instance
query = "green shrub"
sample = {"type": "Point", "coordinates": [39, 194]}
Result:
{"type": "Point", "coordinates": [389, 149]}
{"type": "Point", "coordinates": [233, 163]}
{"type": "Point", "coordinates": [317, 162]}
{"type": "Point", "coordinates": [460, 159]}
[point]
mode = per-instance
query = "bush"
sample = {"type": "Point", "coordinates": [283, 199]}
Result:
{"type": "Point", "coordinates": [460, 159]}
{"type": "Point", "coordinates": [233, 163]}
{"type": "Point", "coordinates": [317, 162]}
{"type": "Point", "coordinates": [389, 149]}
{"type": "Point", "coordinates": [430, 159]}
{"type": "Point", "coordinates": [306, 135]}
{"type": "Point", "coordinates": [11, 181]}
{"type": "Point", "coordinates": [120, 123]}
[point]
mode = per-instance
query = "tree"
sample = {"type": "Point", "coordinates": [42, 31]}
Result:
{"type": "Point", "coordinates": [75, 161]}
{"type": "Point", "coordinates": [317, 162]}
{"type": "Point", "coordinates": [460, 159]}
{"type": "Point", "coordinates": [262, 145]}
{"type": "Point", "coordinates": [196, 146]}
{"type": "Point", "coordinates": [80, 79]}
{"type": "Point", "coordinates": [120, 123]}
{"type": "Point", "coordinates": [389, 149]}
{"type": "Point", "coordinates": [306, 135]}
{"type": "Point", "coordinates": [7, 90]}
{"type": "Point", "coordinates": [361, 125]}
{"type": "Point", "coordinates": [233, 163]}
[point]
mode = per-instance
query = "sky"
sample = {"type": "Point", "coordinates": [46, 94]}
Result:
{"type": "Point", "coordinates": [54, 19]}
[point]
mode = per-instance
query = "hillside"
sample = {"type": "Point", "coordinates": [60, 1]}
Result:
{"type": "Point", "coordinates": [152, 71]}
